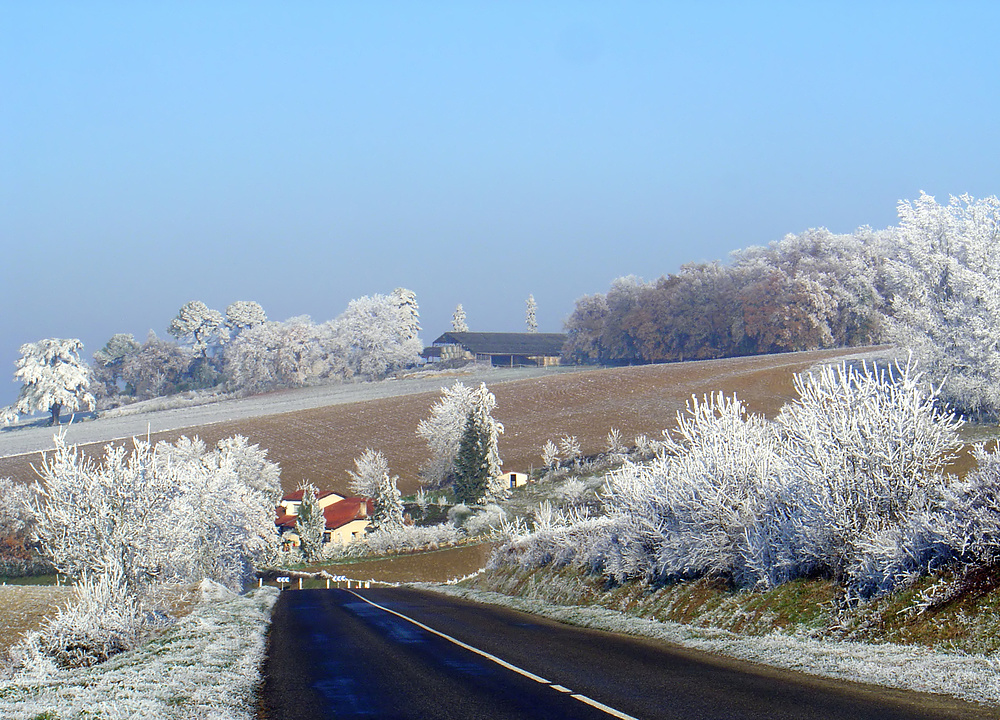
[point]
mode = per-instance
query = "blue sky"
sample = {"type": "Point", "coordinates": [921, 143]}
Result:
{"type": "Point", "coordinates": [304, 154]}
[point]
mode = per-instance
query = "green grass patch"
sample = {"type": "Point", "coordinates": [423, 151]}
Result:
{"type": "Point", "coordinates": [954, 610]}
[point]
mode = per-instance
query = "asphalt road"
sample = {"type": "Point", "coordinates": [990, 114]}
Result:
{"type": "Point", "coordinates": [402, 653]}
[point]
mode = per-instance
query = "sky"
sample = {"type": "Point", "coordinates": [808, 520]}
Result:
{"type": "Point", "coordinates": [305, 154]}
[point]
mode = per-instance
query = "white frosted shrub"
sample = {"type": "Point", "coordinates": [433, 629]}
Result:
{"type": "Point", "coordinates": [870, 443]}
{"type": "Point", "coordinates": [971, 511]}
{"type": "Point", "coordinates": [846, 482]}
{"type": "Point", "coordinates": [407, 537]}
{"type": "Point", "coordinates": [104, 620]}
{"type": "Point", "coordinates": [486, 521]}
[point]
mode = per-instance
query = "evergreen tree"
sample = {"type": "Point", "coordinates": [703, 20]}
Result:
{"type": "Point", "coordinates": [409, 312]}
{"type": "Point", "coordinates": [458, 320]}
{"type": "Point", "coordinates": [529, 315]}
{"type": "Point", "coordinates": [477, 465]}
{"type": "Point", "coordinates": [310, 523]}
{"type": "Point", "coordinates": [388, 514]}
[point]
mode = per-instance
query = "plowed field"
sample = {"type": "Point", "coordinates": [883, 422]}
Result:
{"type": "Point", "coordinates": [320, 444]}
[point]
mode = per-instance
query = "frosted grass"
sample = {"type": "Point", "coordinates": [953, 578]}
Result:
{"type": "Point", "coordinates": [967, 676]}
{"type": "Point", "coordinates": [206, 666]}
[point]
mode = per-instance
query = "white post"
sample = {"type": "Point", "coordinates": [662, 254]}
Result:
{"type": "Point", "coordinates": [328, 583]}
{"type": "Point", "coordinates": [300, 583]}
{"type": "Point", "coordinates": [260, 582]}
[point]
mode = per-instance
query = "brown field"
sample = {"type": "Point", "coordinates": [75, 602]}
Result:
{"type": "Point", "coordinates": [24, 608]}
{"type": "Point", "coordinates": [434, 566]}
{"type": "Point", "coordinates": [320, 444]}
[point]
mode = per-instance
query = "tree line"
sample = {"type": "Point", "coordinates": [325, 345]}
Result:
{"type": "Point", "coordinates": [928, 285]}
{"type": "Point", "coordinates": [240, 351]}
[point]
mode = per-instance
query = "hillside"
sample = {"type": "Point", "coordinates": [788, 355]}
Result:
{"type": "Point", "coordinates": [320, 443]}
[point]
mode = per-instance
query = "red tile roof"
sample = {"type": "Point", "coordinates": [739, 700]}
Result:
{"type": "Point", "coordinates": [337, 515]}
{"type": "Point", "coordinates": [347, 510]}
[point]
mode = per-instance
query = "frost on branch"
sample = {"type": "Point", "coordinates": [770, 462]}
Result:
{"type": "Point", "coordinates": [458, 323]}
{"type": "Point", "coordinates": [371, 479]}
{"type": "Point", "coordinates": [54, 379]}
{"type": "Point", "coordinates": [847, 482]}
{"type": "Point", "coordinates": [944, 275]}
{"type": "Point", "coordinates": [477, 462]}
{"type": "Point", "coordinates": [376, 335]}
{"type": "Point", "coordinates": [442, 431]}
{"type": "Point", "coordinates": [143, 516]}
{"type": "Point", "coordinates": [199, 325]}
{"type": "Point", "coordinates": [243, 315]}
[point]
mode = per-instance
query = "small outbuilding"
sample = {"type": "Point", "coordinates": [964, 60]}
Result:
{"type": "Point", "coordinates": [515, 479]}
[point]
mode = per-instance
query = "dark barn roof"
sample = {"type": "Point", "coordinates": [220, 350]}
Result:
{"type": "Point", "coordinates": [526, 344]}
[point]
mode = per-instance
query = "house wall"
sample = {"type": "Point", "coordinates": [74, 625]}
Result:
{"type": "Point", "coordinates": [515, 479]}
{"type": "Point", "coordinates": [345, 533]}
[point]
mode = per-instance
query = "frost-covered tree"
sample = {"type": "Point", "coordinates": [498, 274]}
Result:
{"type": "Point", "coordinates": [105, 518]}
{"type": "Point", "coordinates": [243, 315]}
{"type": "Point", "coordinates": [374, 336]}
{"type": "Point", "coordinates": [371, 478]}
{"type": "Point", "coordinates": [310, 524]}
{"type": "Point", "coordinates": [550, 455]}
{"type": "Point", "coordinates": [148, 515]}
{"type": "Point", "coordinates": [477, 463]}
{"type": "Point", "coordinates": [409, 312]}
{"type": "Point", "coordinates": [847, 482]}
{"type": "Point", "coordinates": [569, 449]}
{"type": "Point", "coordinates": [614, 444]}
{"type": "Point", "coordinates": [16, 516]}
{"type": "Point", "coordinates": [584, 329]}
{"type": "Point", "coordinates": [17, 521]}
{"type": "Point", "coordinates": [369, 467]}
{"type": "Point", "coordinates": [198, 325]}
{"type": "Point", "coordinates": [142, 516]}
{"type": "Point", "coordinates": [443, 431]}
{"type": "Point", "coordinates": [54, 379]}
{"type": "Point", "coordinates": [158, 368]}
{"type": "Point", "coordinates": [531, 308]}
{"type": "Point", "coordinates": [292, 353]}
{"type": "Point", "coordinates": [944, 275]}
{"type": "Point", "coordinates": [107, 378]}
{"type": "Point", "coordinates": [458, 323]}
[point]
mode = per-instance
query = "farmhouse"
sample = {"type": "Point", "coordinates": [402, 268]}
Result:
{"type": "Point", "coordinates": [500, 349]}
{"type": "Point", "coordinates": [346, 518]}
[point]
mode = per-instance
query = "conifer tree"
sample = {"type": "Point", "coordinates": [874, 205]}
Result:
{"type": "Point", "coordinates": [388, 513]}
{"type": "Point", "coordinates": [477, 465]}
{"type": "Point", "coordinates": [458, 320]}
{"type": "Point", "coordinates": [310, 523]}
{"type": "Point", "coordinates": [529, 314]}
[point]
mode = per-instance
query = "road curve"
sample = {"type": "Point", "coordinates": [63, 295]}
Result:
{"type": "Point", "coordinates": [403, 653]}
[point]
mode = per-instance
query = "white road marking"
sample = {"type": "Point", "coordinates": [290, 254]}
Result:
{"type": "Point", "coordinates": [503, 663]}
{"type": "Point", "coordinates": [601, 706]}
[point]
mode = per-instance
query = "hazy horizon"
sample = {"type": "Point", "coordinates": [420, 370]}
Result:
{"type": "Point", "coordinates": [301, 156]}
